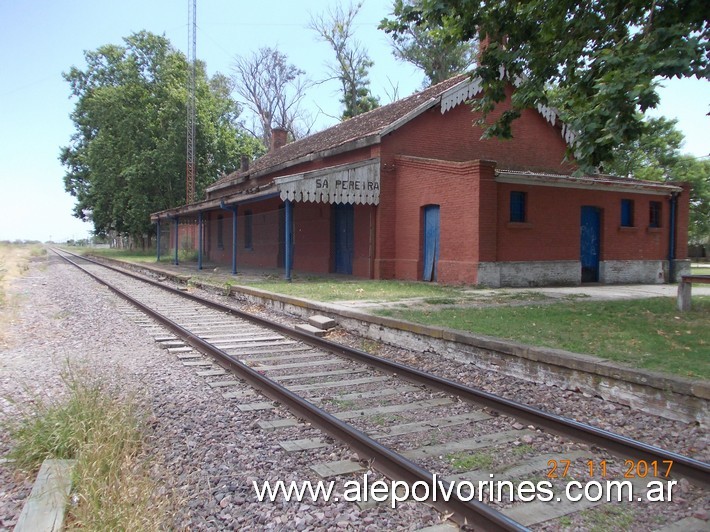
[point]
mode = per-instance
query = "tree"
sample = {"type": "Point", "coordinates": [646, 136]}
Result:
{"type": "Point", "coordinates": [656, 156]}
{"type": "Point", "coordinates": [126, 157]}
{"type": "Point", "coordinates": [696, 172]}
{"type": "Point", "coordinates": [653, 156]}
{"type": "Point", "coordinates": [603, 56]}
{"type": "Point", "coordinates": [352, 62]}
{"type": "Point", "coordinates": [272, 89]}
{"type": "Point", "coordinates": [428, 48]}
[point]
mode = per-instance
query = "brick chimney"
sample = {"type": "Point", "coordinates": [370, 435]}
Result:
{"type": "Point", "coordinates": [245, 163]}
{"type": "Point", "coordinates": [279, 138]}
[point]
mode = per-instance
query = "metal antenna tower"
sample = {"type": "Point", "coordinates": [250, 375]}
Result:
{"type": "Point", "coordinates": [191, 65]}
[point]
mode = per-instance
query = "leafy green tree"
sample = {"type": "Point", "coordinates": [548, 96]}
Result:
{"type": "Point", "coordinates": [428, 48]}
{"type": "Point", "coordinates": [656, 156]}
{"type": "Point", "coordinates": [603, 56]}
{"type": "Point", "coordinates": [352, 63]}
{"type": "Point", "coordinates": [653, 156]}
{"type": "Point", "coordinates": [697, 173]}
{"type": "Point", "coordinates": [126, 157]}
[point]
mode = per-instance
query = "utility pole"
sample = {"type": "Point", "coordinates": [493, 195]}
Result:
{"type": "Point", "coordinates": [191, 65]}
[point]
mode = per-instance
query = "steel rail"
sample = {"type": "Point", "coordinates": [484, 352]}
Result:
{"type": "Point", "coordinates": [470, 513]}
{"type": "Point", "coordinates": [617, 444]}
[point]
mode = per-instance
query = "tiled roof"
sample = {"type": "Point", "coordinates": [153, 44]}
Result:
{"type": "Point", "coordinates": [351, 130]}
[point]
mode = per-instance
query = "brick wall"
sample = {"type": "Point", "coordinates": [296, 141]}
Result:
{"type": "Point", "coordinates": [552, 228]}
{"type": "Point", "coordinates": [536, 145]}
{"type": "Point", "coordinates": [452, 186]}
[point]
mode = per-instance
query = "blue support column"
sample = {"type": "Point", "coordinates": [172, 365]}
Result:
{"type": "Point", "coordinates": [234, 240]}
{"type": "Point", "coordinates": [157, 241]}
{"type": "Point", "coordinates": [199, 240]}
{"type": "Point", "coordinates": [288, 244]}
{"type": "Point", "coordinates": [671, 238]}
{"type": "Point", "coordinates": [177, 239]}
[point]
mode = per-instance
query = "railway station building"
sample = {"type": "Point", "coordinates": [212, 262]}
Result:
{"type": "Point", "coordinates": [411, 191]}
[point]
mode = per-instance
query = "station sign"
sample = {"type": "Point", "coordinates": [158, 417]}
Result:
{"type": "Point", "coordinates": [355, 183]}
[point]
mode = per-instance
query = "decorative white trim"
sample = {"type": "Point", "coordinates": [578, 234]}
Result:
{"type": "Point", "coordinates": [460, 93]}
{"type": "Point", "coordinates": [354, 183]}
{"type": "Point", "coordinates": [465, 91]}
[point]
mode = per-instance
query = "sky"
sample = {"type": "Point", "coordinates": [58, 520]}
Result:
{"type": "Point", "coordinates": [40, 39]}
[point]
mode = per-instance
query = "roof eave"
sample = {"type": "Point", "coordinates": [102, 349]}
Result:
{"type": "Point", "coordinates": [586, 182]}
{"type": "Point", "coordinates": [206, 205]}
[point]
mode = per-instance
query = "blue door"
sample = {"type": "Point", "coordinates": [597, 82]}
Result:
{"type": "Point", "coordinates": [343, 228]}
{"type": "Point", "coordinates": [431, 242]}
{"type": "Point", "coordinates": [590, 244]}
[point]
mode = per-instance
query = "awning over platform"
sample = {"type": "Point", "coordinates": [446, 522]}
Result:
{"type": "Point", "coordinates": [354, 183]}
{"type": "Point", "coordinates": [201, 206]}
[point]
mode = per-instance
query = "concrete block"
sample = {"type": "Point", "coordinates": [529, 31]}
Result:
{"type": "Point", "coordinates": [303, 445]}
{"type": "Point", "coordinates": [223, 384]}
{"type": "Point", "coordinates": [189, 356]}
{"type": "Point", "coordinates": [262, 405]}
{"type": "Point", "coordinates": [309, 329]}
{"type": "Point", "coordinates": [277, 424]}
{"type": "Point", "coordinates": [684, 296]}
{"type": "Point", "coordinates": [322, 322]}
{"type": "Point", "coordinates": [45, 507]}
{"type": "Point", "coordinates": [336, 469]}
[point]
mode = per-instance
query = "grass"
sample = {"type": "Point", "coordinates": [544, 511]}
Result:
{"type": "Point", "coordinates": [14, 263]}
{"type": "Point", "coordinates": [383, 419]}
{"type": "Point", "coordinates": [343, 404]}
{"type": "Point", "coordinates": [139, 255]}
{"type": "Point", "coordinates": [647, 333]}
{"type": "Point", "coordinates": [523, 449]}
{"type": "Point", "coordinates": [469, 462]}
{"type": "Point", "coordinates": [700, 270]}
{"type": "Point", "coordinates": [105, 431]}
{"type": "Point", "coordinates": [328, 289]}
{"type": "Point", "coordinates": [321, 289]}
{"type": "Point", "coordinates": [607, 518]}
{"type": "Point", "coordinates": [130, 255]}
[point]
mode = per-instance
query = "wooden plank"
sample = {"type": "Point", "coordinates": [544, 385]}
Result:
{"type": "Point", "coordinates": [45, 507]}
{"type": "Point", "coordinates": [704, 279]}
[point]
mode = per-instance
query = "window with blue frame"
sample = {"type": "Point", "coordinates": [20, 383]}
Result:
{"type": "Point", "coordinates": [654, 214]}
{"type": "Point", "coordinates": [518, 206]}
{"type": "Point", "coordinates": [627, 213]}
{"type": "Point", "coordinates": [248, 230]}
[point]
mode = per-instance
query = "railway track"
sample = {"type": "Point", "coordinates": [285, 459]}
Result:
{"type": "Point", "coordinates": [400, 421]}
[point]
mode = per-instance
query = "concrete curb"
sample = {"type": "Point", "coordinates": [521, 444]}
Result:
{"type": "Point", "coordinates": [45, 508]}
{"type": "Point", "coordinates": [668, 396]}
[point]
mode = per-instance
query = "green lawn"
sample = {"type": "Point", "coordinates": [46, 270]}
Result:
{"type": "Point", "coordinates": [702, 270]}
{"type": "Point", "coordinates": [321, 289]}
{"type": "Point", "coordinates": [647, 333]}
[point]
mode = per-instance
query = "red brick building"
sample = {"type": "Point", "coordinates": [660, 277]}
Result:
{"type": "Point", "coordinates": [411, 191]}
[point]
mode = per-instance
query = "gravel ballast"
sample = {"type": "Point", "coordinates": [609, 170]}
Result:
{"type": "Point", "coordinates": [207, 451]}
